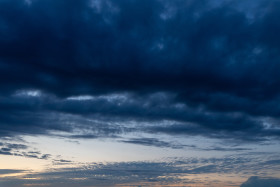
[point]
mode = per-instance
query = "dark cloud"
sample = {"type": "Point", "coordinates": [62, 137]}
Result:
{"type": "Point", "coordinates": [116, 46]}
{"type": "Point", "coordinates": [11, 149]}
{"type": "Point", "coordinates": [211, 68]}
{"type": "Point", "coordinates": [259, 182]}
{"type": "Point", "coordinates": [10, 171]}
{"type": "Point", "coordinates": [32, 154]}
{"type": "Point", "coordinates": [175, 145]}
{"type": "Point", "coordinates": [21, 150]}
{"type": "Point", "coordinates": [153, 142]}
{"type": "Point", "coordinates": [5, 152]}
{"type": "Point", "coordinates": [11, 146]}
{"type": "Point", "coordinates": [111, 115]}
{"type": "Point", "coordinates": [217, 148]}
{"type": "Point", "coordinates": [127, 68]}
{"type": "Point", "coordinates": [61, 161]}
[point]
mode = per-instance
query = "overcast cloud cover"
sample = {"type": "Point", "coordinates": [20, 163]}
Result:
{"type": "Point", "coordinates": [133, 71]}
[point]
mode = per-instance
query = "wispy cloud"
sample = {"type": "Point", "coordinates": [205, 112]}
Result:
{"type": "Point", "coordinates": [181, 170]}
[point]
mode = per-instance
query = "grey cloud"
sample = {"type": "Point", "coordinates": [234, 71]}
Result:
{"type": "Point", "coordinates": [61, 161]}
{"type": "Point", "coordinates": [89, 68]}
{"type": "Point", "coordinates": [154, 172]}
{"type": "Point", "coordinates": [3, 152]}
{"type": "Point", "coordinates": [106, 116]}
{"type": "Point", "coordinates": [105, 69]}
{"type": "Point", "coordinates": [176, 145]}
{"type": "Point", "coordinates": [153, 142]}
{"type": "Point", "coordinates": [13, 149]}
{"type": "Point", "coordinates": [260, 182]}
{"type": "Point", "coordinates": [217, 148]}
{"type": "Point", "coordinates": [10, 171]}
{"type": "Point", "coordinates": [10, 148]}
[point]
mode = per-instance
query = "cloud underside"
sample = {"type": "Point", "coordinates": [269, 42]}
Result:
{"type": "Point", "coordinates": [106, 68]}
{"type": "Point", "coordinates": [119, 115]}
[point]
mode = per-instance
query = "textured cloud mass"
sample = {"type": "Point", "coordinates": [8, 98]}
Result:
{"type": "Point", "coordinates": [218, 60]}
{"type": "Point", "coordinates": [152, 173]}
{"type": "Point", "coordinates": [259, 182]}
{"type": "Point", "coordinates": [138, 70]}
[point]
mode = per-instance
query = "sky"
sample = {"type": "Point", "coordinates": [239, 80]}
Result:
{"type": "Point", "coordinates": [139, 93]}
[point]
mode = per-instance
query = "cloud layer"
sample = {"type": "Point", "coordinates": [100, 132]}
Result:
{"type": "Point", "coordinates": [215, 62]}
{"type": "Point", "coordinates": [179, 171]}
{"type": "Point", "coordinates": [135, 71]}
{"type": "Point", "coordinates": [259, 182]}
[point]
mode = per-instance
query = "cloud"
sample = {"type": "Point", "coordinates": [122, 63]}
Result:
{"type": "Point", "coordinates": [175, 145]}
{"type": "Point", "coordinates": [11, 146]}
{"type": "Point", "coordinates": [10, 171]}
{"type": "Point", "coordinates": [111, 174]}
{"type": "Point", "coordinates": [164, 172]}
{"type": "Point", "coordinates": [111, 62]}
{"type": "Point", "coordinates": [259, 182]}
{"type": "Point", "coordinates": [11, 149]}
{"type": "Point", "coordinates": [118, 51]}
{"type": "Point", "coordinates": [137, 70]}
{"type": "Point", "coordinates": [112, 115]}
{"type": "Point", "coordinates": [21, 150]}
{"type": "Point", "coordinates": [153, 142]}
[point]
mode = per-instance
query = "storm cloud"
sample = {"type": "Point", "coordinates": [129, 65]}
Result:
{"type": "Point", "coordinates": [153, 74]}
{"type": "Point", "coordinates": [216, 65]}
{"type": "Point", "coordinates": [258, 182]}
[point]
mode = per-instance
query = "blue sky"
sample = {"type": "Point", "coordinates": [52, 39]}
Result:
{"type": "Point", "coordinates": [139, 93]}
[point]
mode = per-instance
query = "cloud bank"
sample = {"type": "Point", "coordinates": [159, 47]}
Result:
{"type": "Point", "coordinates": [207, 68]}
